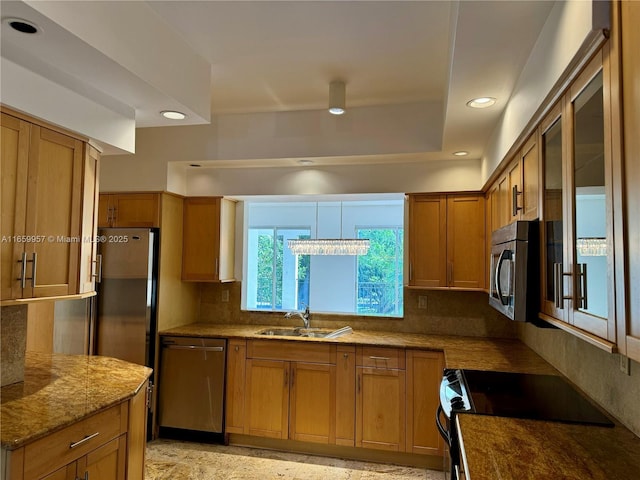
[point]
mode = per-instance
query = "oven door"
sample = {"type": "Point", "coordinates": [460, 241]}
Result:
{"type": "Point", "coordinates": [502, 278]}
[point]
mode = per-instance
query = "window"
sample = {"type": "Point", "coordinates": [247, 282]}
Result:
{"type": "Point", "coordinates": [380, 272]}
{"type": "Point", "coordinates": [277, 280]}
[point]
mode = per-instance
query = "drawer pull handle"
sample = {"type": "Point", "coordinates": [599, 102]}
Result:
{"type": "Point", "coordinates": [384, 359]}
{"type": "Point", "coordinates": [84, 440]}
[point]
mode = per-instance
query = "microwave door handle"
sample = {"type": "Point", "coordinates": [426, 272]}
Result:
{"type": "Point", "coordinates": [504, 255]}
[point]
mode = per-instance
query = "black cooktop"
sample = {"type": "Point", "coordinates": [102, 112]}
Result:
{"type": "Point", "coordinates": [540, 397]}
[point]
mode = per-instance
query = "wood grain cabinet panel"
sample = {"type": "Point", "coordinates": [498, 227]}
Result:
{"type": "Point", "coordinates": [234, 406]}
{"type": "Point", "coordinates": [124, 210]}
{"type": "Point", "coordinates": [42, 181]}
{"type": "Point", "coordinates": [267, 398]}
{"type": "Point", "coordinates": [447, 241]}
{"type": "Point", "coordinates": [208, 239]}
{"type": "Point", "coordinates": [424, 374]}
{"type": "Point", "coordinates": [345, 395]}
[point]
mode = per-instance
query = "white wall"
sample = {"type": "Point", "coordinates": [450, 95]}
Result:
{"type": "Point", "coordinates": [569, 25]}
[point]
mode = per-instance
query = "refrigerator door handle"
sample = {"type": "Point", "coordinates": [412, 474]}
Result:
{"type": "Point", "coordinates": [98, 271]}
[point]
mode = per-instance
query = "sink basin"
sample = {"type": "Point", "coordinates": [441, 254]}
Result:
{"type": "Point", "coordinates": [302, 332]}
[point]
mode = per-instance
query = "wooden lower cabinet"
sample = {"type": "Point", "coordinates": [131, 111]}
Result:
{"type": "Point", "coordinates": [380, 408]}
{"type": "Point", "coordinates": [104, 463]}
{"type": "Point", "coordinates": [313, 403]}
{"type": "Point", "coordinates": [108, 445]}
{"type": "Point", "coordinates": [366, 396]}
{"type": "Point", "coordinates": [267, 398]}
{"type": "Point", "coordinates": [424, 374]}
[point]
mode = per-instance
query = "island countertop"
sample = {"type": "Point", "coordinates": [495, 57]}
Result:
{"type": "Point", "coordinates": [59, 390]}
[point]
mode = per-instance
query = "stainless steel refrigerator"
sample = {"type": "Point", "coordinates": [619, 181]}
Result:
{"type": "Point", "coordinates": [127, 291]}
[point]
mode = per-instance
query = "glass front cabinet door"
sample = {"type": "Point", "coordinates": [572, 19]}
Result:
{"type": "Point", "coordinates": [577, 244]}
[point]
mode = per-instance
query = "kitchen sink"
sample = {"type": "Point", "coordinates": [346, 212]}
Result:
{"type": "Point", "coordinates": [305, 332]}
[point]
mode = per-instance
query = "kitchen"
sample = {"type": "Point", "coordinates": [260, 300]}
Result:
{"type": "Point", "coordinates": [246, 155]}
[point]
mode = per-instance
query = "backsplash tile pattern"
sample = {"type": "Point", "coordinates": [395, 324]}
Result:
{"type": "Point", "coordinates": [13, 343]}
{"type": "Point", "coordinates": [447, 313]}
{"type": "Point", "coordinates": [593, 370]}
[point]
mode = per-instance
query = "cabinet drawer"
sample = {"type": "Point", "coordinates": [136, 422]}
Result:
{"type": "Point", "coordinates": [380, 357]}
{"type": "Point", "coordinates": [291, 351]}
{"type": "Point", "coordinates": [65, 446]}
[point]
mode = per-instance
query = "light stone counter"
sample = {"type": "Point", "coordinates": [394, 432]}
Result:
{"type": "Point", "coordinates": [495, 447]}
{"type": "Point", "coordinates": [474, 353]}
{"type": "Point", "coordinates": [59, 390]}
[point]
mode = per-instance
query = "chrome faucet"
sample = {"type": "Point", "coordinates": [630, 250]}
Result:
{"type": "Point", "coordinates": [304, 315]}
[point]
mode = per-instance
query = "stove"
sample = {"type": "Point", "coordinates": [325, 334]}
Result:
{"type": "Point", "coordinates": [505, 394]}
{"type": "Point", "coordinates": [518, 395]}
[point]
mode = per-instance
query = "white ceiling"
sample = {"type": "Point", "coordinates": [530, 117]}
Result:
{"type": "Point", "coordinates": [267, 56]}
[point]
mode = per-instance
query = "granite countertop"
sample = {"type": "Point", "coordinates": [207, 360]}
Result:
{"type": "Point", "coordinates": [495, 447]}
{"type": "Point", "coordinates": [512, 448]}
{"type": "Point", "coordinates": [460, 352]}
{"type": "Point", "coordinates": [61, 389]}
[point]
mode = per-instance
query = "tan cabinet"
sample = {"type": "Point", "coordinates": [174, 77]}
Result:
{"type": "Point", "coordinates": [89, 223]}
{"type": "Point", "coordinates": [628, 297]}
{"type": "Point", "coordinates": [108, 445]}
{"type": "Point", "coordinates": [290, 391]}
{"type": "Point", "coordinates": [514, 195]}
{"type": "Point", "coordinates": [578, 216]}
{"type": "Point", "coordinates": [447, 241]}
{"type": "Point", "coordinates": [234, 411]}
{"type": "Point", "coordinates": [380, 398]}
{"type": "Point", "coordinates": [208, 239]}
{"type": "Point", "coordinates": [424, 374]}
{"type": "Point", "coordinates": [123, 210]}
{"type": "Point", "coordinates": [42, 181]}
{"type": "Point", "coordinates": [345, 395]}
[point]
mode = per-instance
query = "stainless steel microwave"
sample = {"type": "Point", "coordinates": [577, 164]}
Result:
{"type": "Point", "coordinates": [514, 284]}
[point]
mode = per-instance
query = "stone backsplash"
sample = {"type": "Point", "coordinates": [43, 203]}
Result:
{"type": "Point", "coordinates": [13, 343]}
{"type": "Point", "coordinates": [446, 313]}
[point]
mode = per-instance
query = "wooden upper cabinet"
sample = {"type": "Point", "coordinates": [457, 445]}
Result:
{"type": "Point", "coordinates": [89, 222]}
{"type": "Point", "coordinates": [530, 181]}
{"type": "Point", "coordinates": [42, 179]}
{"type": "Point", "coordinates": [629, 307]}
{"type": "Point", "coordinates": [447, 241]}
{"type": "Point", "coordinates": [123, 210]}
{"type": "Point", "coordinates": [208, 239]}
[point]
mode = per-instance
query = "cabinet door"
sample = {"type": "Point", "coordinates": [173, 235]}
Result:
{"type": "Point", "coordinates": [514, 200]}
{"type": "Point", "coordinates": [465, 241]}
{"type": "Point", "coordinates": [313, 403]}
{"type": "Point", "coordinates": [553, 216]}
{"type": "Point", "coordinates": [15, 157]}
{"type": "Point", "coordinates": [629, 327]}
{"type": "Point", "coordinates": [201, 244]}
{"type": "Point", "coordinates": [54, 200]}
{"type": "Point", "coordinates": [135, 210]}
{"type": "Point", "coordinates": [236, 357]}
{"type": "Point", "coordinates": [504, 202]}
{"type": "Point", "coordinates": [589, 195]}
{"type": "Point", "coordinates": [88, 246]}
{"type": "Point", "coordinates": [529, 159]}
{"type": "Point", "coordinates": [105, 218]}
{"type": "Point", "coordinates": [65, 473]}
{"type": "Point", "coordinates": [380, 408]}
{"type": "Point", "coordinates": [424, 374]}
{"type": "Point", "coordinates": [427, 241]}
{"type": "Point", "coordinates": [267, 398]}
{"type": "Point", "coordinates": [104, 463]}
{"type": "Point", "coordinates": [345, 395]}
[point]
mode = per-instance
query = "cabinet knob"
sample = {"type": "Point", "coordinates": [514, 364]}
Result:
{"type": "Point", "coordinates": [237, 348]}
{"type": "Point", "coordinates": [345, 355]}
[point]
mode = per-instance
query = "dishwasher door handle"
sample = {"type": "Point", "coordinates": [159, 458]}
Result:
{"type": "Point", "coordinates": [194, 347]}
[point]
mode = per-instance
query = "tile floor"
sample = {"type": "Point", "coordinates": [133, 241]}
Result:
{"type": "Point", "coordinates": [177, 460]}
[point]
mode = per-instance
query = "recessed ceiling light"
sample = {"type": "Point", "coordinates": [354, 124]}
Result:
{"type": "Point", "coordinates": [173, 115]}
{"type": "Point", "coordinates": [305, 161]}
{"type": "Point", "coordinates": [481, 102]}
{"type": "Point", "coordinates": [461, 153]}
{"type": "Point", "coordinates": [23, 26]}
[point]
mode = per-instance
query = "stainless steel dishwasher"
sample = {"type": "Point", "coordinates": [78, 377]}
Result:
{"type": "Point", "coordinates": [192, 383]}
